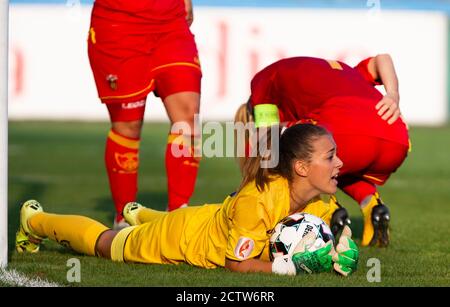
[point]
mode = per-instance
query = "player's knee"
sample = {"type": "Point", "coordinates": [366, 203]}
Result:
{"type": "Point", "coordinates": [191, 109]}
{"type": "Point", "coordinates": [104, 242]}
{"type": "Point", "coordinates": [183, 106]}
{"type": "Point", "coordinates": [131, 129]}
{"type": "Point", "coordinates": [187, 113]}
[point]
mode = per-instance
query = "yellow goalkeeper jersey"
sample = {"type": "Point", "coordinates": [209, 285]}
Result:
{"type": "Point", "coordinates": [204, 236]}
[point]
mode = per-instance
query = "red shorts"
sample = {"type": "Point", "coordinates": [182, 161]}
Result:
{"type": "Point", "coordinates": [126, 111]}
{"type": "Point", "coordinates": [369, 158]}
{"type": "Point", "coordinates": [358, 116]}
{"type": "Point", "coordinates": [128, 62]}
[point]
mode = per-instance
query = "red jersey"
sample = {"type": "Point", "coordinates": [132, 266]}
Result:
{"type": "Point", "coordinates": [337, 96]}
{"type": "Point", "coordinates": [155, 15]}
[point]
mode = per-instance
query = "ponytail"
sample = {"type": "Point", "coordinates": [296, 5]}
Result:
{"type": "Point", "coordinates": [263, 158]}
{"type": "Point", "coordinates": [244, 117]}
{"type": "Point", "coordinates": [296, 143]}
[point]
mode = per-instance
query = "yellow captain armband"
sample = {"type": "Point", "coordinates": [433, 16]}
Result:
{"type": "Point", "coordinates": [266, 115]}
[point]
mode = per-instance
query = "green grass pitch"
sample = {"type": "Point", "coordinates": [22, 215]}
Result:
{"type": "Point", "coordinates": [61, 165]}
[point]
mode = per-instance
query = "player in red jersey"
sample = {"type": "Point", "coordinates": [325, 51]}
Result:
{"type": "Point", "coordinates": [371, 136]}
{"type": "Point", "coordinates": [136, 47]}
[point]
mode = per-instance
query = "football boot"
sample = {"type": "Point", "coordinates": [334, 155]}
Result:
{"type": "Point", "coordinates": [340, 217]}
{"type": "Point", "coordinates": [130, 213]}
{"type": "Point", "coordinates": [26, 239]}
{"type": "Point", "coordinates": [376, 223]}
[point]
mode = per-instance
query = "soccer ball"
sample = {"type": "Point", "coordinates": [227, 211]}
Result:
{"type": "Point", "coordinates": [290, 230]}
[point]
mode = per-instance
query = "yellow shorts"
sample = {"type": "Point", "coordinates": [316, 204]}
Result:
{"type": "Point", "coordinates": [118, 243]}
{"type": "Point", "coordinates": [162, 240]}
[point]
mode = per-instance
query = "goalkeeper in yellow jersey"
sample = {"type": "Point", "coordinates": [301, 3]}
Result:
{"type": "Point", "coordinates": [234, 234]}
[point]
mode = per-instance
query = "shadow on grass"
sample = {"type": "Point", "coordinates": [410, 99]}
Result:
{"type": "Point", "coordinates": [357, 226]}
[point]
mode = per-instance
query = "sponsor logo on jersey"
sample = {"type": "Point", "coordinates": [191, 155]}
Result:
{"type": "Point", "coordinates": [244, 248]}
{"type": "Point", "coordinates": [133, 105]}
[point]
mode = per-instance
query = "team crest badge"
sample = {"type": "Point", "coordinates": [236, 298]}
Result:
{"type": "Point", "coordinates": [112, 80]}
{"type": "Point", "coordinates": [128, 162]}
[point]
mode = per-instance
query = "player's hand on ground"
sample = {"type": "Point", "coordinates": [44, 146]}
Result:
{"type": "Point", "coordinates": [388, 108]}
{"type": "Point", "coordinates": [347, 254]}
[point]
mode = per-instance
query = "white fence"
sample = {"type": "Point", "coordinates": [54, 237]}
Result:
{"type": "Point", "coordinates": [50, 77]}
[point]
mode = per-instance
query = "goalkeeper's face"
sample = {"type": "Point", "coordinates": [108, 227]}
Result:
{"type": "Point", "coordinates": [323, 168]}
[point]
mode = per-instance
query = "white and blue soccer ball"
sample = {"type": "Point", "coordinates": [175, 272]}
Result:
{"type": "Point", "coordinates": [290, 230]}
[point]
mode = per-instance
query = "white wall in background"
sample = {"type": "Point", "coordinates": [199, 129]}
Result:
{"type": "Point", "coordinates": [50, 77]}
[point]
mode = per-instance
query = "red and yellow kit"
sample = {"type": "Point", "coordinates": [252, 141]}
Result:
{"type": "Point", "coordinates": [136, 47]}
{"type": "Point", "coordinates": [204, 236]}
{"type": "Point", "coordinates": [332, 93]}
{"type": "Point", "coordinates": [340, 98]}
{"type": "Point", "coordinates": [167, 14]}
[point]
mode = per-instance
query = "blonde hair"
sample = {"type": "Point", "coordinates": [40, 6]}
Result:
{"type": "Point", "coordinates": [242, 116]}
{"type": "Point", "coordinates": [296, 143]}
{"type": "Point", "coordinates": [251, 166]}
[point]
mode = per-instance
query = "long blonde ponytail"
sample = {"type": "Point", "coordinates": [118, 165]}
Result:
{"type": "Point", "coordinates": [242, 116]}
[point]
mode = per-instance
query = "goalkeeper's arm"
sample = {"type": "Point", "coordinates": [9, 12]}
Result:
{"type": "Point", "coordinates": [302, 260]}
{"type": "Point", "coordinates": [248, 265]}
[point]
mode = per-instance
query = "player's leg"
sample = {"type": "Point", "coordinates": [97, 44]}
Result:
{"type": "Point", "coordinates": [76, 232]}
{"type": "Point", "coordinates": [375, 214]}
{"type": "Point", "coordinates": [104, 243]}
{"type": "Point", "coordinates": [123, 86]}
{"type": "Point", "coordinates": [389, 158]}
{"type": "Point", "coordinates": [177, 75]}
{"type": "Point", "coordinates": [161, 239]}
{"type": "Point", "coordinates": [358, 153]}
{"type": "Point", "coordinates": [376, 221]}
{"type": "Point", "coordinates": [122, 155]}
{"type": "Point", "coordinates": [361, 175]}
{"type": "Point", "coordinates": [164, 239]}
{"type": "Point", "coordinates": [181, 160]}
{"type": "Point", "coordinates": [136, 214]}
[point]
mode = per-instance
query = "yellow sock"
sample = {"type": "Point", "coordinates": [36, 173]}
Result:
{"type": "Point", "coordinates": [76, 232]}
{"type": "Point", "coordinates": [146, 215]}
{"type": "Point", "coordinates": [368, 231]}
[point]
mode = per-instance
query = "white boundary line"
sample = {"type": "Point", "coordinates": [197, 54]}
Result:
{"type": "Point", "coordinates": [16, 279]}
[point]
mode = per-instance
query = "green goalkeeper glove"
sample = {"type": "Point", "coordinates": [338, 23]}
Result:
{"type": "Point", "coordinates": [347, 254]}
{"type": "Point", "coordinates": [304, 259]}
{"type": "Point", "coordinates": [310, 261]}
